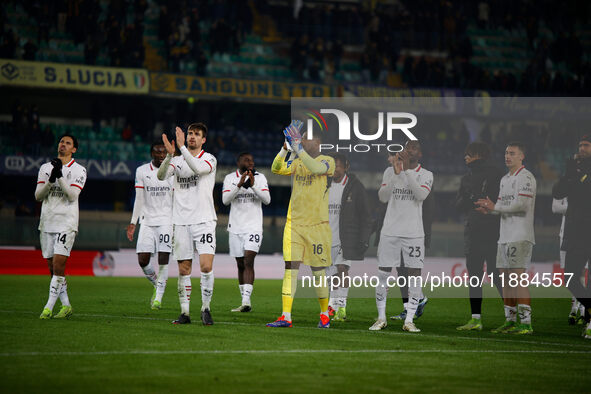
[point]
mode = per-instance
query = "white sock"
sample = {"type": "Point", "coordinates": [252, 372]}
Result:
{"type": "Point", "coordinates": [382, 294]}
{"type": "Point", "coordinates": [524, 313]}
{"type": "Point", "coordinates": [161, 282]}
{"type": "Point", "coordinates": [332, 300]}
{"type": "Point", "coordinates": [247, 293]}
{"type": "Point", "coordinates": [206, 289]}
{"type": "Point", "coordinates": [344, 295]}
{"type": "Point", "coordinates": [150, 274]}
{"type": "Point", "coordinates": [241, 290]}
{"type": "Point", "coordinates": [287, 316]}
{"type": "Point", "coordinates": [581, 310]}
{"type": "Point", "coordinates": [476, 316]}
{"type": "Point", "coordinates": [510, 313]}
{"type": "Point", "coordinates": [64, 294]}
{"type": "Point", "coordinates": [55, 287]}
{"type": "Point", "coordinates": [184, 289]}
{"type": "Point", "coordinates": [414, 297]}
{"type": "Point", "coordinates": [574, 305]}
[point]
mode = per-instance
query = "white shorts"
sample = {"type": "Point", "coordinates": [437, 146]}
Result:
{"type": "Point", "coordinates": [152, 239]}
{"type": "Point", "coordinates": [57, 243]}
{"type": "Point", "coordinates": [241, 242]}
{"type": "Point", "coordinates": [191, 237]}
{"type": "Point", "coordinates": [412, 251]}
{"type": "Point", "coordinates": [514, 255]}
{"type": "Point", "coordinates": [336, 254]}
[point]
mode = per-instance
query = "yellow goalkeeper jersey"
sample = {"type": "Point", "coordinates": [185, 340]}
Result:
{"type": "Point", "coordinates": [308, 205]}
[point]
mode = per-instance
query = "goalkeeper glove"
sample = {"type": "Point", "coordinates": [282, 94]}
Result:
{"type": "Point", "coordinates": [293, 136]}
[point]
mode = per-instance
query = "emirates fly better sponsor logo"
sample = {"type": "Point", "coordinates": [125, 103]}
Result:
{"type": "Point", "coordinates": [388, 124]}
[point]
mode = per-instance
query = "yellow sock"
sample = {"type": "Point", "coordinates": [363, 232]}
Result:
{"type": "Point", "coordinates": [288, 291]}
{"type": "Point", "coordinates": [322, 290]}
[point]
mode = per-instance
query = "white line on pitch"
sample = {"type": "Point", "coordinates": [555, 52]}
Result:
{"type": "Point", "coordinates": [283, 351]}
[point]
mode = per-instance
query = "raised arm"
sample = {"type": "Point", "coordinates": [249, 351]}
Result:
{"type": "Point", "coordinates": [229, 191]}
{"type": "Point", "coordinates": [419, 190]}
{"type": "Point", "coordinates": [387, 186]}
{"type": "Point", "coordinates": [261, 189]}
{"type": "Point", "coordinates": [72, 190]}
{"type": "Point", "coordinates": [280, 166]}
{"type": "Point", "coordinates": [43, 185]}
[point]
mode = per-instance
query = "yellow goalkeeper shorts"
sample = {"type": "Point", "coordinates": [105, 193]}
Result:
{"type": "Point", "coordinates": [308, 244]}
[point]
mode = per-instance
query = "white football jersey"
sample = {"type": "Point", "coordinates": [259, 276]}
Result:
{"type": "Point", "coordinates": [193, 194]}
{"type": "Point", "coordinates": [404, 215]}
{"type": "Point", "coordinates": [335, 197]}
{"type": "Point", "coordinates": [517, 227]}
{"type": "Point", "coordinates": [157, 209]}
{"type": "Point", "coordinates": [58, 214]}
{"type": "Point", "coordinates": [246, 213]}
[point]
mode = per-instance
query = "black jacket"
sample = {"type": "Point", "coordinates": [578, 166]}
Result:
{"type": "Point", "coordinates": [483, 180]}
{"type": "Point", "coordinates": [355, 221]}
{"type": "Point", "coordinates": [576, 185]}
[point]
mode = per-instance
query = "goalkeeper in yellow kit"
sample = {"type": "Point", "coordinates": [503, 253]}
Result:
{"type": "Point", "coordinates": [307, 235]}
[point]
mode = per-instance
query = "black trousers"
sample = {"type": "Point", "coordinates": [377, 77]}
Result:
{"type": "Point", "coordinates": [476, 255]}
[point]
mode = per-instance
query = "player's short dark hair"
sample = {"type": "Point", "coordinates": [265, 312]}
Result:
{"type": "Point", "coordinates": [199, 126]}
{"type": "Point", "coordinates": [519, 145]}
{"type": "Point", "coordinates": [156, 143]}
{"type": "Point", "coordinates": [340, 157]}
{"type": "Point", "coordinates": [241, 154]}
{"type": "Point", "coordinates": [74, 139]}
{"type": "Point", "coordinates": [479, 149]}
{"type": "Point", "coordinates": [414, 142]}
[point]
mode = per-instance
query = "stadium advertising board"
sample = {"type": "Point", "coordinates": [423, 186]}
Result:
{"type": "Point", "coordinates": [234, 88]}
{"type": "Point", "coordinates": [74, 76]}
{"type": "Point", "coordinates": [97, 169]}
{"type": "Point", "coordinates": [363, 90]}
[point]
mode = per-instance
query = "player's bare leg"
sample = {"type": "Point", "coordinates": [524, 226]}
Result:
{"type": "Point", "coordinates": [207, 279]}
{"type": "Point", "coordinates": [161, 279]}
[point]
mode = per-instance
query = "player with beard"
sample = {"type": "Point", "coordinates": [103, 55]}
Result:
{"type": "Point", "coordinates": [193, 214]}
{"type": "Point", "coordinates": [59, 184]}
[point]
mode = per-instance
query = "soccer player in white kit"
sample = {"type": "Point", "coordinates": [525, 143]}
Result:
{"type": "Point", "coordinates": [560, 206]}
{"type": "Point", "coordinates": [58, 185]}
{"type": "Point", "coordinates": [244, 190]}
{"type": "Point", "coordinates": [153, 207]}
{"type": "Point", "coordinates": [515, 204]}
{"type": "Point", "coordinates": [405, 185]}
{"type": "Point", "coordinates": [193, 214]}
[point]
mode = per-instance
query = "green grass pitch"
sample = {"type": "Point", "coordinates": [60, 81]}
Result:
{"type": "Point", "coordinates": [115, 343]}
